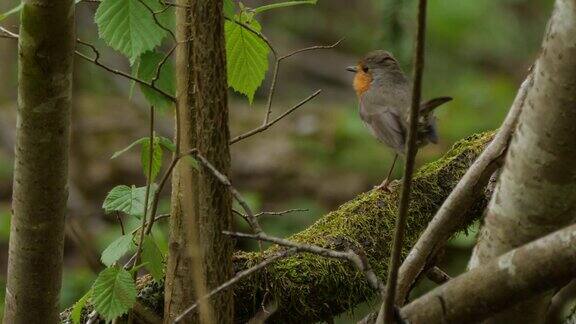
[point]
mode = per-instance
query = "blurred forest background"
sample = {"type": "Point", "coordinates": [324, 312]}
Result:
{"type": "Point", "coordinates": [478, 52]}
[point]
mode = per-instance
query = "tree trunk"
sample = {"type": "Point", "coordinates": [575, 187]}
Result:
{"type": "Point", "coordinates": [536, 193]}
{"type": "Point", "coordinates": [200, 255]}
{"type": "Point", "coordinates": [46, 50]}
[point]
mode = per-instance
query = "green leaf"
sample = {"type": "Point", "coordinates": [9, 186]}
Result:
{"type": "Point", "coordinates": [113, 292]}
{"type": "Point", "coordinates": [129, 147]}
{"type": "Point", "coordinates": [247, 57]}
{"type": "Point", "coordinates": [117, 249]}
{"type": "Point", "coordinates": [147, 71]}
{"type": "Point", "coordinates": [129, 27]}
{"type": "Point", "coordinates": [283, 4]}
{"type": "Point", "coordinates": [229, 8]}
{"type": "Point", "coordinates": [129, 200]}
{"type": "Point", "coordinates": [152, 256]}
{"type": "Point", "coordinates": [76, 313]}
{"type": "Point", "coordinates": [156, 157]}
{"type": "Point", "coordinates": [167, 143]}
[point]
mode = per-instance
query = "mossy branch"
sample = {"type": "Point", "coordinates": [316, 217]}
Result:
{"type": "Point", "coordinates": [311, 288]}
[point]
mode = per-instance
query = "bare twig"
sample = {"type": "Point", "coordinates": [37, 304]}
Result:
{"type": "Point", "coordinates": [252, 221]}
{"type": "Point", "coordinates": [358, 259]}
{"type": "Point", "coordinates": [148, 187]}
{"type": "Point", "coordinates": [277, 119]}
{"type": "Point", "coordinates": [237, 278]}
{"type": "Point", "coordinates": [7, 34]}
{"type": "Point", "coordinates": [386, 314]}
{"type": "Point", "coordinates": [161, 64]}
{"type": "Point", "coordinates": [448, 218]}
{"type": "Point", "coordinates": [437, 275]}
{"type": "Point", "coordinates": [255, 32]}
{"type": "Point", "coordinates": [515, 276]}
{"type": "Point", "coordinates": [155, 17]}
{"type": "Point", "coordinates": [275, 74]}
{"type": "Point", "coordinates": [96, 60]}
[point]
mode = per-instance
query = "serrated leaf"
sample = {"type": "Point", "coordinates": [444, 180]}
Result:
{"type": "Point", "coordinates": [147, 70]}
{"type": "Point", "coordinates": [129, 27]}
{"type": "Point", "coordinates": [129, 200]}
{"type": "Point", "coordinates": [229, 8]}
{"type": "Point", "coordinates": [167, 143]}
{"type": "Point", "coordinates": [156, 158]}
{"type": "Point", "coordinates": [113, 292]}
{"type": "Point", "coordinates": [76, 313]}
{"type": "Point", "coordinates": [153, 258]}
{"type": "Point", "coordinates": [247, 57]}
{"type": "Point", "coordinates": [282, 5]}
{"type": "Point", "coordinates": [117, 249]}
{"type": "Point", "coordinates": [129, 147]}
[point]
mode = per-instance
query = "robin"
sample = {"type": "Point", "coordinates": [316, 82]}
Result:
{"type": "Point", "coordinates": [385, 94]}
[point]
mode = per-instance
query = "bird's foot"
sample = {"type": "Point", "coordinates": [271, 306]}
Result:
{"type": "Point", "coordinates": [384, 186]}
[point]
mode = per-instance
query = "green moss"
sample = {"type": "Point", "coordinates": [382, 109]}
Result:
{"type": "Point", "coordinates": [310, 288]}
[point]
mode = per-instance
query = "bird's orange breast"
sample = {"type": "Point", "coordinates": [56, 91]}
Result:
{"type": "Point", "coordinates": [362, 81]}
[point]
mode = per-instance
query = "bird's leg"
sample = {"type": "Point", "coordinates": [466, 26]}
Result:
{"type": "Point", "coordinates": [386, 182]}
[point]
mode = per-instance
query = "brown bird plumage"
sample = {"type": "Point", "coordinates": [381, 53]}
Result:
{"type": "Point", "coordinates": [384, 94]}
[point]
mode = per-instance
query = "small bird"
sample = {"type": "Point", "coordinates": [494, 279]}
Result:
{"type": "Point", "coordinates": [385, 94]}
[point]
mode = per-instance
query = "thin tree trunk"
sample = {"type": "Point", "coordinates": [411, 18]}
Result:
{"type": "Point", "coordinates": [200, 255]}
{"type": "Point", "coordinates": [536, 193]}
{"type": "Point", "coordinates": [46, 50]}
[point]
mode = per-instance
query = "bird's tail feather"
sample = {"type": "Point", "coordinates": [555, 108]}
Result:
{"type": "Point", "coordinates": [428, 106]}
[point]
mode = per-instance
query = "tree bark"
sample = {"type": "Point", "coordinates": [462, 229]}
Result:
{"type": "Point", "coordinates": [515, 276]}
{"type": "Point", "coordinates": [200, 255]}
{"type": "Point", "coordinates": [46, 49]}
{"type": "Point", "coordinates": [536, 193]}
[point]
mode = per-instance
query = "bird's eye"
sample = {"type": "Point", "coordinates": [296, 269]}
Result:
{"type": "Point", "coordinates": [364, 69]}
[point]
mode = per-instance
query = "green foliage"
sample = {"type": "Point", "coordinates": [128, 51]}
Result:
{"type": "Point", "coordinates": [129, 147]}
{"type": "Point", "coordinates": [159, 143]}
{"type": "Point", "coordinates": [246, 55]}
{"type": "Point", "coordinates": [113, 292]}
{"type": "Point", "coordinates": [229, 8]}
{"type": "Point", "coordinates": [148, 66]}
{"type": "Point", "coordinates": [117, 249]}
{"type": "Point", "coordinates": [282, 5]}
{"type": "Point", "coordinates": [156, 157]}
{"type": "Point", "coordinates": [129, 200]}
{"type": "Point", "coordinates": [76, 313]}
{"type": "Point", "coordinates": [129, 26]}
{"type": "Point", "coordinates": [152, 258]}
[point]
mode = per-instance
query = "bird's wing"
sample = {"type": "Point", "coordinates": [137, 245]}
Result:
{"type": "Point", "coordinates": [386, 126]}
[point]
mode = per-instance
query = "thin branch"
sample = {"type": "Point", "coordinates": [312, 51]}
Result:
{"type": "Point", "coordinates": [154, 16]}
{"type": "Point", "coordinates": [148, 187]}
{"type": "Point", "coordinates": [161, 64]}
{"type": "Point", "coordinates": [7, 34]}
{"type": "Point", "coordinates": [358, 259]}
{"type": "Point", "coordinates": [386, 314]}
{"type": "Point", "coordinates": [252, 221]}
{"type": "Point", "coordinates": [275, 74]}
{"type": "Point", "coordinates": [255, 32]}
{"type": "Point", "coordinates": [239, 276]}
{"type": "Point", "coordinates": [448, 218]}
{"type": "Point", "coordinates": [96, 60]}
{"type": "Point", "coordinates": [518, 275]}
{"type": "Point", "coordinates": [277, 119]}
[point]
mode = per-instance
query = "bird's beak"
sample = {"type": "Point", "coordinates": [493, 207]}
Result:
{"type": "Point", "coordinates": [352, 69]}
